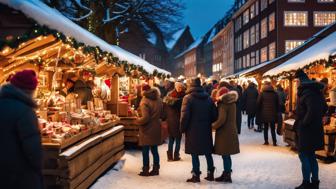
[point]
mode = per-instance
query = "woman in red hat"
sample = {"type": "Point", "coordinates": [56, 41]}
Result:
{"type": "Point", "coordinates": [20, 142]}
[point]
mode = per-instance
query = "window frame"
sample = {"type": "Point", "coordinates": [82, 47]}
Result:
{"type": "Point", "coordinates": [315, 12]}
{"type": "Point", "coordinates": [284, 18]}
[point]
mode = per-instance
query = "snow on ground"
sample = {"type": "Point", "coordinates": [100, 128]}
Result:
{"type": "Point", "coordinates": [257, 167]}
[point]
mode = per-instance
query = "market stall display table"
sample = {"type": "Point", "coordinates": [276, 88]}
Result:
{"type": "Point", "coordinates": [131, 130]}
{"type": "Point", "coordinates": [329, 151]}
{"type": "Point", "coordinates": [78, 165]}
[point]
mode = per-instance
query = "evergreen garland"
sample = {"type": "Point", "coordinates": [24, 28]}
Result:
{"type": "Point", "coordinates": [96, 52]}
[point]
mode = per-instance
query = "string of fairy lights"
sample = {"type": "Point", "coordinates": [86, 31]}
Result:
{"type": "Point", "coordinates": [331, 62]}
{"type": "Point", "coordinates": [39, 32]}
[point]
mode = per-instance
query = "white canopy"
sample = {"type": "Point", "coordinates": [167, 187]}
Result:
{"type": "Point", "coordinates": [45, 15]}
{"type": "Point", "coordinates": [321, 50]}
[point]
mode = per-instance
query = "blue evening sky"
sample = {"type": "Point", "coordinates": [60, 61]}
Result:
{"type": "Point", "coordinates": [200, 15]}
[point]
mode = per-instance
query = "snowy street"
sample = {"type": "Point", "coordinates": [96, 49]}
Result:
{"type": "Point", "coordinates": [257, 167]}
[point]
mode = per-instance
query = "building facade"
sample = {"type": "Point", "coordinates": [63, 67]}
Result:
{"type": "Point", "coordinates": [223, 52]}
{"type": "Point", "coordinates": [266, 29]}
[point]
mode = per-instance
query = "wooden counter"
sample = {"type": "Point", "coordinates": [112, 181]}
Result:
{"type": "Point", "coordinates": [80, 164]}
{"type": "Point", "coordinates": [131, 130]}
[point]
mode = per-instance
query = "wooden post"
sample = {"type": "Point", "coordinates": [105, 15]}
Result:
{"type": "Point", "coordinates": [113, 104]}
{"type": "Point", "coordinates": [290, 93]}
{"type": "Point", "coordinates": [259, 80]}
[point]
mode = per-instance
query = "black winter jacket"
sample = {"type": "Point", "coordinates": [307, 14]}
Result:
{"type": "Point", "coordinates": [310, 110]}
{"type": "Point", "coordinates": [20, 142]}
{"type": "Point", "coordinates": [198, 112]}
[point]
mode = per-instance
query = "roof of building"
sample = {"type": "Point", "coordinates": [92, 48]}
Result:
{"type": "Point", "coordinates": [45, 15]}
{"type": "Point", "coordinates": [194, 45]}
{"type": "Point", "coordinates": [170, 43]}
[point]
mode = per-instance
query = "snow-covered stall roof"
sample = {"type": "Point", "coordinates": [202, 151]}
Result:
{"type": "Point", "coordinates": [194, 45]}
{"type": "Point", "coordinates": [321, 50]}
{"type": "Point", "coordinates": [53, 19]}
{"type": "Point", "coordinates": [175, 37]}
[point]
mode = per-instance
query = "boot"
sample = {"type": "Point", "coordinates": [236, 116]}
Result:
{"type": "Point", "coordinates": [169, 156]}
{"type": "Point", "coordinates": [225, 177]}
{"type": "Point", "coordinates": [210, 175]}
{"type": "Point", "coordinates": [177, 156]}
{"type": "Point", "coordinates": [195, 177]}
{"type": "Point", "coordinates": [304, 185]}
{"type": "Point", "coordinates": [315, 184]}
{"type": "Point", "coordinates": [144, 172]}
{"type": "Point", "coordinates": [155, 170]}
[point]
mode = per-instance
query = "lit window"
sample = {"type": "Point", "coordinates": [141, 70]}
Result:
{"type": "Point", "coordinates": [256, 7]}
{"type": "Point", "coordinates": [296, 1]}
{"type": "Point", "coordinates": [263, 28]}
{"type": "Point", "coordinates": [263, 5]}
{"type": "Point", "coordinates": [252, 35]}
{"type": "Point", "coordinates": [271, 22]}
{"type": "Point", "coordinates": [324, 18]}
{"type": "Point", "coordinates": [246, 39]}
{"type": "Point", "coordinates": [257, 33]}
{"type": "Point", "coordinates": [271, 51]}
{"type": "Point", "coordinates": [244, 61]}
{"type": "Point", "coordinates": [325, 1]}
{"type": "Point", "coordinates": [248, 64]}
{"type": "Point", "coordinates": [252, 11]}
{"type": "Point", "coordinates": [299, 18]}
{"type": "Point", "coordinates": [257, 57]}
{"type": "Point", "coordinates": [291, 44]}
{"type": "Point", "coordinates": [246, 17]}
{"type": "Point", "coordinates": [263, 54]}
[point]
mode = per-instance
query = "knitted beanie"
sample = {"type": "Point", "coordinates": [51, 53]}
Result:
{"type": "Point", "coordinates": [25, 80]}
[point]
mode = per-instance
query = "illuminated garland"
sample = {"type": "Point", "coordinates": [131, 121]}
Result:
{"type": "Point", "coordinates": [331, 62]}
{"type": "Point", "coordinates": [96, 52]}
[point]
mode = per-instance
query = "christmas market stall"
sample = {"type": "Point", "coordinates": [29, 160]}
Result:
{"type": "Point", "coordinates": [319, 62]}
{"type": "Point", "coordinates": [78, 91]}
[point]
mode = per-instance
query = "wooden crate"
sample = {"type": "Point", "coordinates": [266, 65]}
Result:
{"type": "Point", "coordinates": [131, 130]}
{"type": "Point", "coordinates": [79, 165]}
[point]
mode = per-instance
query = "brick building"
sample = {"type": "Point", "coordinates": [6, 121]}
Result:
{"type": "Point", "coordinates": [266, 29]}
{"type": "Point", "coordinates": [223, 52]}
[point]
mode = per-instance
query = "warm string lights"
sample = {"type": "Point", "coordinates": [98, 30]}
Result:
{"type": "Point", "coordinates": [331, 62]}
{"type": "Point", "coordinates": [39, 32]}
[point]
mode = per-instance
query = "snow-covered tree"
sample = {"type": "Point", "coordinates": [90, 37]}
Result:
{"type": "Point", "coordinates": [110, 18]}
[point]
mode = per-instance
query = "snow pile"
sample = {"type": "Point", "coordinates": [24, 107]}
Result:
{"type": "Point", "coordinates": [50, 17]}
{"type": "Point", "coordinates": [257, 166]}
{"type": "Point", "coordinates": [321, 50]}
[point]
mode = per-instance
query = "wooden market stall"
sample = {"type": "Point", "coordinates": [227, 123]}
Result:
{"type": "Point", "coordinates": [80, 140]}
{"type": "Point", "coordinates": [319, 62]}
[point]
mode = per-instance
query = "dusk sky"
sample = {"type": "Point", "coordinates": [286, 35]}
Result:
{"type": "Point", "coordinates": [200, 15]}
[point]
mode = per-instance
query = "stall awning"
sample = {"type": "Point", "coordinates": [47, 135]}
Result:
{"type": "Point", "coordinates": [319, 51]}
{"type": "Point", "coordinates": [53, 19]}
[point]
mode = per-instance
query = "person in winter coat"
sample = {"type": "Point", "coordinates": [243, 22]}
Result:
{"type": "Point", "coordinates": [197, 114]}
{"type": "Point", "coordinates": [21, 150]}
{"type": "Point", "coordinates": [311, 108]}
{"type": "Point", "coordinates": [250, 97]}
{"type": "Point", "coordinates": [172, 107]}
{"type": "Point", "coordinates": [239, 90]}
{"type": "Point", "coordinates": [268, 105]}
{"type": "Point", "coordinates": [282, 106]}
{"type": "Point", "coordinates": [151, 108]}
{"type": "Point", "coordinates": [226, 138]}
{"type": "Point", "coordinates": [82, 88]}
